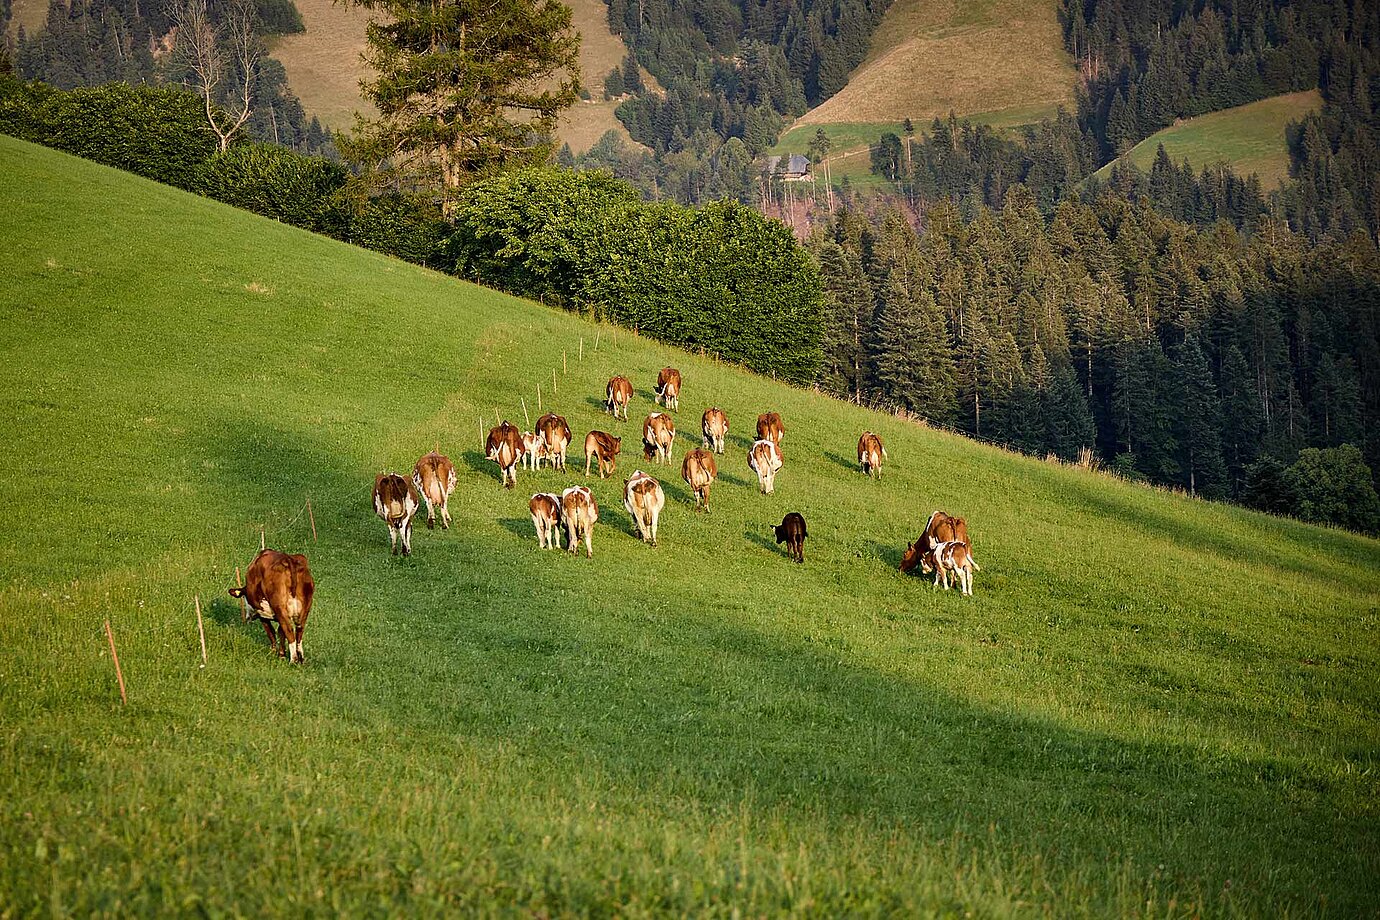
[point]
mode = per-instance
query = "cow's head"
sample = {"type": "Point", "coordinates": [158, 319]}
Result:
{"type": "Point", "coordinates": [912, 557]}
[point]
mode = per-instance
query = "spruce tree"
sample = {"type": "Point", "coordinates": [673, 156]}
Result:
{"type": "Point", "coordinates": [465, 87]}
{"type": "Point", "coordinates": [911, 354]}
{"type": "Point", "coordinates": [1199, 424]}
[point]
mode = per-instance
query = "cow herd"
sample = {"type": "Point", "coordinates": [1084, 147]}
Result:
{"type": "Point", "coordinates": [278, 587]}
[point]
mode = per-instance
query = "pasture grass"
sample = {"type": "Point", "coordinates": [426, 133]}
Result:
{"type": "Point", "coordinates": [930, 57]}
{"type": "Point", "coordinates": [1249, 138]}
{"type": "Point", "coordinates": [1152, 706]}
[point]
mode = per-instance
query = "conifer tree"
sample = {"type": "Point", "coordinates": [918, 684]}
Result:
{"type": "Point", "coordinates": [911, 354]}
{"type": "Point", "coordinates": [464, 87]}
{"type": "Point", "coordinates": [1199, 424]}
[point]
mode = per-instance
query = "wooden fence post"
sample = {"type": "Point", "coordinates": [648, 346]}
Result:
{"type": "Point", "coordinates": [119, 675]}
{"type": "Point", "coordinates": [527, 419]}
{"type": "Point", "coordinates": [200, 628]}
{"type": "Point", "coordinates": [311, 517]}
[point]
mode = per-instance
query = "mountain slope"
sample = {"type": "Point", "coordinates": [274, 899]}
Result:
{"type": "Point", "coordinates": [1248, 138]}
{"type": "Point", "coordinates": [1152, 704]}
{"type": "Point", "coordinates": [930, 57]}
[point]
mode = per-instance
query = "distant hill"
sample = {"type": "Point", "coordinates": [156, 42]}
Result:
{"type": "Point", "coordinates": [930, 57]}
{"type": "Point", "coordinates": [1249, 138]}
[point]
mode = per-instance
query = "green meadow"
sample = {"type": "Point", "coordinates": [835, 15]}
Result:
{"type": "Point", "coordinates": [1249, 138]}
{"type": "Point", "coordinates": [1153, 706]}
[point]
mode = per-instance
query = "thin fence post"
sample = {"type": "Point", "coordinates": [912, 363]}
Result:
{"type": "Point", "coordinates": [565, 367]}
{"type": "Point", "coordinates": [311, 517]}
{"type": "Point", "coordinates": [244, 609]}
{"type": "Point", "coordinates": [481, 430]}
{"type": "Point", "coordinates": [582, 348]}
{"type": "Point", "coordinates": [597, 333]}
{"type": "Point", "coordinates": [119, 675]}
{"type": "Point", "coordinates": [553, 381]}
{"type": "Point", "coordinates": [526, 419]}
{"type": "Point", "coordinates": [539, 397]}
{"type": "Point", "coordinates": [262, 545]}
{"type": "Point", "coordinates": [200, 628]}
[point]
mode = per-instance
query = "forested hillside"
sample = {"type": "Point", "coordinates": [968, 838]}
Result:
{"type": "Point", "coordinates": [1199, 358]}
{"type": "Point", "coordinates": [94, 42]}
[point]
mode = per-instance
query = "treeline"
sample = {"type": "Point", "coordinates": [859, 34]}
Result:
{"type": "Point", "coordinates": [1144, 65]}
{"type": "Point", "coordinates": [1202, 359]}
{"type": "Point", "coordinates": [86, 43]}
{"type": "Point", "coordinates": [722, 279]}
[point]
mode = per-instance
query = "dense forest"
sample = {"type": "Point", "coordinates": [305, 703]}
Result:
{"type": "Point", "coordinates": [1205, 359]}
{"type": "Point", "coordinates": [1144, 65]}
{"type": "Point", "coordinates": [94, 42]}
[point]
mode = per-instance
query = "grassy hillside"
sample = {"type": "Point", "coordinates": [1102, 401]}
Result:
{"type": "Point", "coordinates": [1152, 706]}
{"type": "Point", "coordinates": [930, 57]}
{"type": "Point", "coordinates": [324, 68]}
{"type": "Point", "coordinates": [1249, 138]}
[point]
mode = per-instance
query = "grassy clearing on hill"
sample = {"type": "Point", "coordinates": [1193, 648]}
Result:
{"type": "Point", "coordinates": [30, 14]}
{"type": "Point", "coordinates": [930, 57]}
{"type": "Point", "coordinates": [323, 64]}
{"type": "Point", "coordinates": [1249, 138]}
{"type": "Point", "coordinates": [1152, 706]}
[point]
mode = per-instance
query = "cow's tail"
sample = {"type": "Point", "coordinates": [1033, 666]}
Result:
{"type": "Point", "coordinates": [976, 567]}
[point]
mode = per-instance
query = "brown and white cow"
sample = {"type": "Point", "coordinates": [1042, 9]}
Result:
{"type": "Point", "coordinates": [533, 450]}
{"type": "Point", "coordinates": [395, 501]}
{"type": "Point", "coordinates": [546, 517]}
{"type": "Point", "coordinates": [791, 531]}
{"type": "Point", "coordinates": [555, 434]}
{"type": "Point", "coordinates": [658, 437]}
{"type": "Point", "coordinates": [279, 589]}
{"type": "Point", "coordinates": [434, 477]}
{"type": "Point", "coordinates": [715, 427]}
{"type": "Point", "coordinates": [699, 472]}
{"type": "Point", "coordinates": [605, 447]}
{"type": "Point", "coordinates": [871, 453]}
{"type": "Point", "coordinates": [643, 499]}
{"type": "Point", "coordinates": [764, 459]}
{"type": "Point", "coordinates": [955, 558]}
{"type": "Point", "coordinates": [504, 447]}
{"type": "Point", "coordinates": [668, 388]}
{"type": "Point", "coordinates": [940, 528]}
{"type": "Point", "coordinates": [579, 511]}
{"type": "Point", "coordinates": [769, 428]}
{"type": "Point", "coordinates": [617, 396]}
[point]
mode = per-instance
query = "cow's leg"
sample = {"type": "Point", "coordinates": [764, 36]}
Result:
{"type": "Point", "coordinates": [589, 537]}
{"type": "Point", "coordinates": [407, 537]}
{"type": "Point", "coordinates": [430, 513]}
{"type": "Point", "coordinates": [289, 631]}
{"type": "Point", "coordinates": [393, 538]}
{"type": "Point", "coordinates": [445, 513]}
{"type": "Point", "coordinates": [572, 538]}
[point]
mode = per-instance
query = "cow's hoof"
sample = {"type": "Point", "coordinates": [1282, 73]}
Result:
{"type": "Point", "coordinates": [430, 524]}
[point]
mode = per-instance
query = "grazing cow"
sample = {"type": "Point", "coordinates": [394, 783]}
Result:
{"type": "Point", "coordinates": [699, 472]}
{"type": "Point", "coordinates": [791, 531]}
{"type": "Point", "coordinates": [668, 388]}
{"type": "Point", "coordinates": [658, 437]}
{"type": "Point", "coordinates": [434, 477]}
{"type": "Point", "coordinates": [504, 447]}
{"type": "Point", "coordinates": [395, 501]}
{"type": "Point", "coordinates": [618, 395]}
{"type": "Point", "coordinates": [533, 450]}
{"type": "Point", "coordinates": [279, 589]}
{"type": "Point", "coordinates": [579, 511]}
{"type": "Point", "coordinates": [715, 427]}
{"type": "Point", "coordinates": [606, 448]}
{"type": "Point", "coordinates": [940, 528]}
{"type": "Point", "coordinates": [955, 558]}
{"type": "Point", "coordinates": [870, 454]}
{"type": "Point", "coordinates": [769, 428]}
{"type": "Point", "coordinates": [764, 459]}
{"type": "Point", "coordinates": [555, 434]}
{"type": "Point", "coordinates": [643, 499]}
{"type": "Point", "coordinates": [546, 517]}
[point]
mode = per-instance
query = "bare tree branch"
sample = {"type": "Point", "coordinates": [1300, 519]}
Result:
{"type": "Point", "coordinates": [210, 50]}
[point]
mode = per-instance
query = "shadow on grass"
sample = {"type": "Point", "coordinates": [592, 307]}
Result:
{"type": "Point", "coordinates": [1195, 533]}
{"type": "Point", "coordinates": [764, 539]}
{"type": "Point", "coordinates": [841, 460]}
